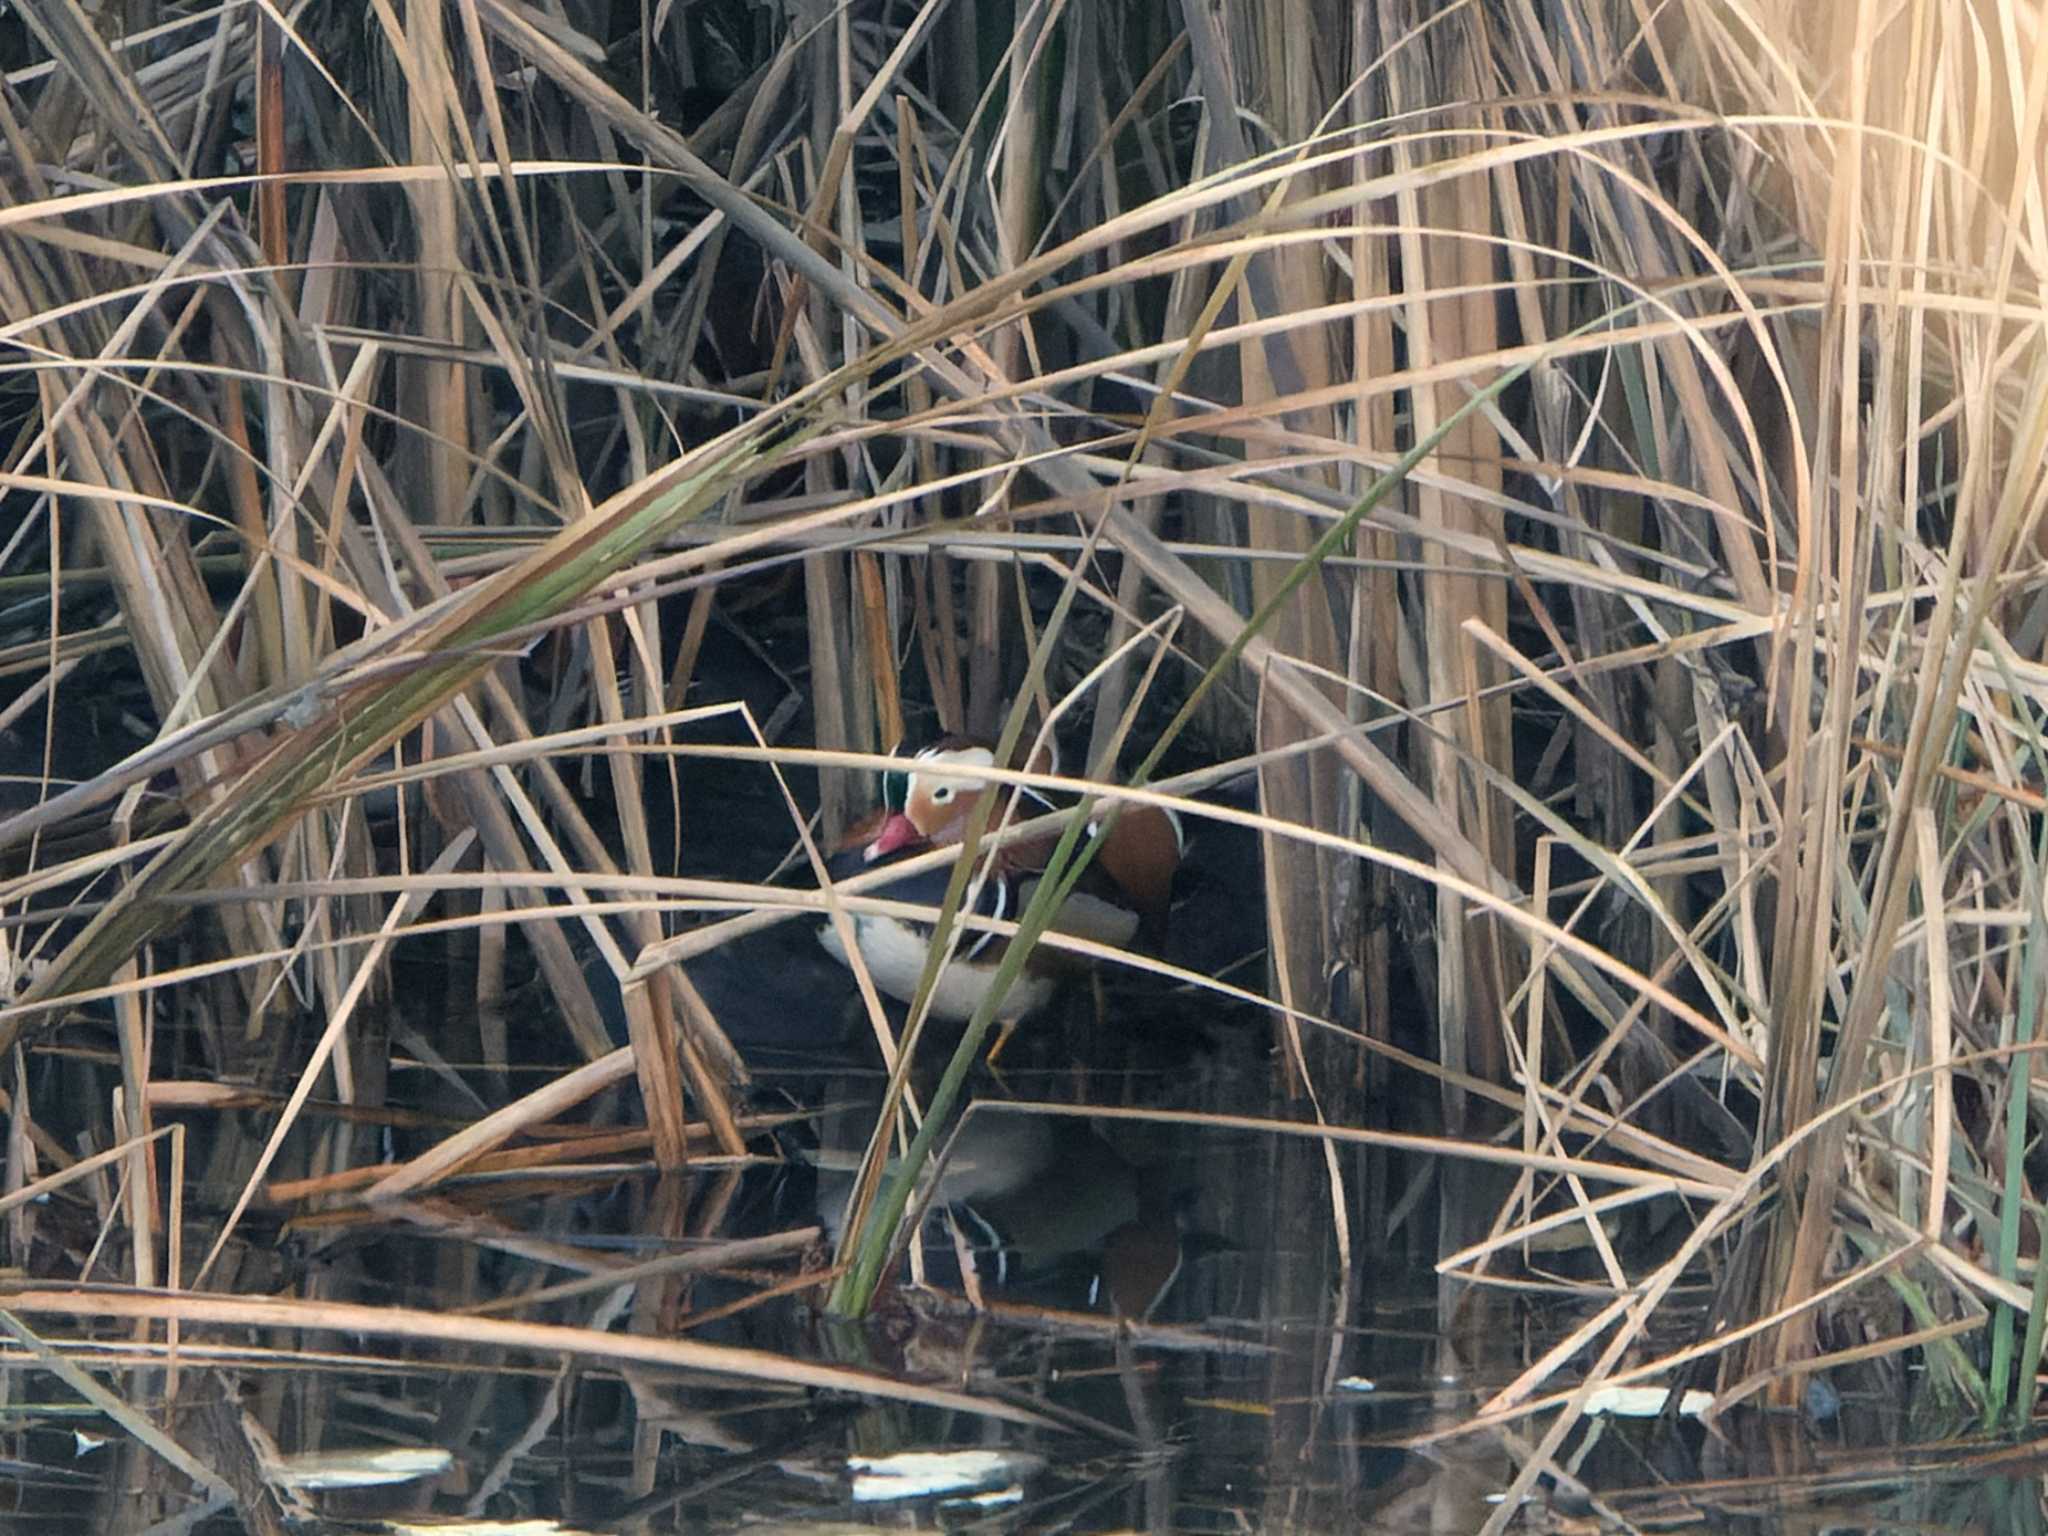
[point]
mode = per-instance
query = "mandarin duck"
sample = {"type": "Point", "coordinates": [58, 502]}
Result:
{"type": "Point", "coordinates": [1122, 896]}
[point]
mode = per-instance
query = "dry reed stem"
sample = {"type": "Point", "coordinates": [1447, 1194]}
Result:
{"type": "Point", "coordinates": [546, 1339]}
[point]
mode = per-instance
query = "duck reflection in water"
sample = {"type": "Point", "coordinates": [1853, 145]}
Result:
{"type": "Point", "coordinates": [1053, 1214]}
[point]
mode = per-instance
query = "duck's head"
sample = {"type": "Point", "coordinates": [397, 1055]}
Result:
{"type": "Point", "coordinates": [926, 807]}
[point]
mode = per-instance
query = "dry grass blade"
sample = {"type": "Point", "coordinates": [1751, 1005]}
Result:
{"type": "Point", "coordinates": [401, 911]}
{"type": "Point", "coordinates": [487, 1333]}
{"type": "Point", "coordinates": [123, 1414]}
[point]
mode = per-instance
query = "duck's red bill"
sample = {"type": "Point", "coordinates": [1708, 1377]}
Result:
{"type": "Point", "coordinates": [899, 831]}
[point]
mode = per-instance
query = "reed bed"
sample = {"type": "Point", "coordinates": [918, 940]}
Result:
{"type": "Point", "coordinates": [1586, 468]}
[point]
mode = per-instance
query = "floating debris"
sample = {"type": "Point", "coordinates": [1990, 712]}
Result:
{"type": "Point", "coordinates": [535, 1527]}
{"type": "Point", "coordinates": [1646, 1402]}
{"type": "Point", "coordinates": [926, 1474]}
{"type": "Point", "coordinates": [373, 1467]}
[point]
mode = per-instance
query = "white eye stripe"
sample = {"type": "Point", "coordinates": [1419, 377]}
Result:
{"type": "Point", "coordinates": [972, 757]}
{"type": "Point", "coordinates": [945, 788]}
{"type": "Point", "coordinates": [941, 791]}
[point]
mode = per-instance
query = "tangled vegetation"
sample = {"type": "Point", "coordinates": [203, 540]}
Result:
{"type": "Point", "coordinates": [1586, 462]}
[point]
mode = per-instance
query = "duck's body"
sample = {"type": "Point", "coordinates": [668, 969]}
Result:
{"type": "Point", "coordinates": [895, 947]}
{"type": "Point", "coordinates": [1123, 895]}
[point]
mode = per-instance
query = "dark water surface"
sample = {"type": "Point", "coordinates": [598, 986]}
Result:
{"type": "Point", "coordinates": [1271, 1388]}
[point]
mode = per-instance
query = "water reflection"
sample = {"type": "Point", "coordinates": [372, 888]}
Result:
{"type": "Point", "coordinates": [1268, 1390]}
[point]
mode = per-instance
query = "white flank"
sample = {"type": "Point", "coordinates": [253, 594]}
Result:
{"type": "Point", "coordinates": [895, 956]}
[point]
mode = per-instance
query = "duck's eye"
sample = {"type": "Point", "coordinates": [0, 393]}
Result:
{"type": "Point", "coordinates": [942, 794]}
